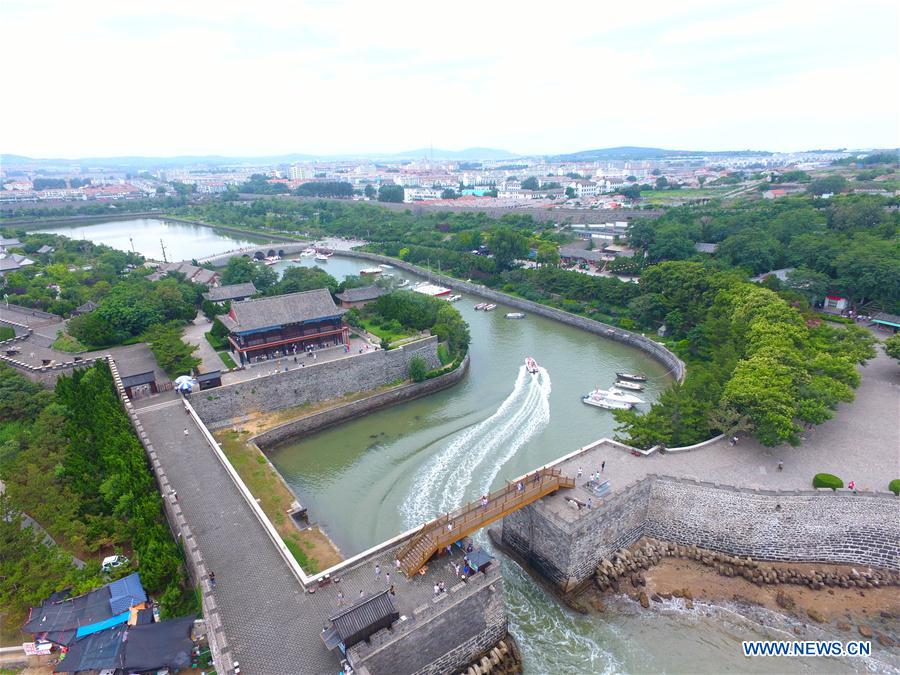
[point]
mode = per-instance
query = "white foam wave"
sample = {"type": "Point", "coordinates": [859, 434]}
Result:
{"type": "Point", "coordinates": [442, 485]}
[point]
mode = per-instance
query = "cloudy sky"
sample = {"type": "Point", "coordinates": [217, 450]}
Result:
{"type": "Point", "coordinates": [194, 77]}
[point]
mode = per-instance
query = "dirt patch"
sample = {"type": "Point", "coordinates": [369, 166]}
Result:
{"type": "Point", "coordinates": [672, 576]}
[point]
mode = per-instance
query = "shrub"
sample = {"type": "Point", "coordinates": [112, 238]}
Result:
{"type": "Point", "coordinates": [418, 369]}
{"type": "Point", "coordinates": [894, 486]}
{"type": "Point", "coordinates": [826, 480]}
{"type": "Point", "coordinates": [444, 354]}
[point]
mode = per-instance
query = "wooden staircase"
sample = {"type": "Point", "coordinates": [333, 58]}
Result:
{"type": "Point", "coordinates": [435, 535]}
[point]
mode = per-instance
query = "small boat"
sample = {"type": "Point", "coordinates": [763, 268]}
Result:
{"type": "Point", "coordinates": [489, 308]}
{"type": "Point", "coordinates": [515, 315]}
{"type": "Point", "coordinates": [323, 257]}
{"type": "Point", "coordinates": [403, 284]}
{"type": "Point", "coordinates": [480, 306]}
{"type": "Point", "coordinates": [633, 386]}
{"type": "Point", "coordinates": [600, 402]}
{"type": "Point", "coordinates": [307, 253]}
{"type": "Point", "coordinates": [634, 377]}
{"type": "Point", "coordinates": [387, 267]}
{"type": "Point", "coordinates": [370, 271]}
{"type": "Point", "coordinates": [454, 298]}
{"type": "Point", "coordinates": [295, 260]}
{"type": "Point", "coordinates": [271, 262]}
{"type": "Point", "coordinates": [531, 365]}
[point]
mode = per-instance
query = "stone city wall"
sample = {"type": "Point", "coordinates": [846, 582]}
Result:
{"type": "Point", "coordinates": [342, 413]}
{"type": "Point", "coordinates": [318, 382]}
{"type": "Point", "coordinates": [790, 525]}
{"type": "Point", "coordinates": [193, 556]}
{"type": "Point", "coordinates": [651, 347]}
{"type": "Point", "coordinates": [469, 619]}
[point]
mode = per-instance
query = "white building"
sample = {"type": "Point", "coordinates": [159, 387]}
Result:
{"type": "Point", "coordinates": [417, 194]}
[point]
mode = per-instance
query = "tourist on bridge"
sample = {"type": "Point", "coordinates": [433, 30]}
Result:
{"type": "Point", "coordinates": [377, 571]}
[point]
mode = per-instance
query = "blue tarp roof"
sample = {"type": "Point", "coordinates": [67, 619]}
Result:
{"type": "Point", "coordinates": [92, 628]}
{"type": "Point", "coordinates": [126, 593]}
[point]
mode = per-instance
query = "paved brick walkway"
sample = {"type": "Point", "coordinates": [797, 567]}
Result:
{"type": "Point", "coordinates": [270, 626]}
{"type": "Point", "coordinates": [860, 443]}
{"type": "Point", "coordinates": [195, 334]}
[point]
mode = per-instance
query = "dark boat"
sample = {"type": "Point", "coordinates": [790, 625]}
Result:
{"type": "Point", "coordinates": [634, 377]}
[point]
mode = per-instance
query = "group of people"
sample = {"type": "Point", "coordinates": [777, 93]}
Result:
{"type": "Point", "coordinates": [596, 476]}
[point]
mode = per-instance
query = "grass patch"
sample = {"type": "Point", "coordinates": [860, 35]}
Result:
{"type": "Point", "coordinates": [390, 335]}
{"type": "Point", "coordinates": [226, 359]}
{"type": "Point", "coordinates": [217, 343]}
{"type": "Point", "coordinates": [310, 547]}
{"type": "Point", "coordinates": [7, 333]}
{"type": "Point", "coordinates": [66, 343]}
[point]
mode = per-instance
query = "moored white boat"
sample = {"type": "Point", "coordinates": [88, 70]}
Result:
{"type": "Point", "coordinates": [489, 308]}
{"type": "Point", "coordinates": [515, 315]}
{"type": "Point", "coordinates": [371, 271]}
{"type": "Point", "coordinates": [635, 377]}
{"type": "Point", "coordinates": [307, 253]}
{"type": "Point", "coordinates": [323, 257]}
{"type": "Point", "coordinates": [601, 402]}
{"type": "Point", "coordinates": [387, 267]}
{"type": "Point", "coordinates": [625, 384]}
{"type": "Point", "coordinates": [480, 306]}
{"type": "Point", "coordinates": [454, 298]}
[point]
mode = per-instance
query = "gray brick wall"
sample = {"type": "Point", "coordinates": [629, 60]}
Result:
{"type": "Point", "coordinates": [327, 418]}
{"type": "Point", "coordinates": [443, 636]}
{"type": "Point", "coordinates": [319, 382]}
{"type": "Point", "coordinates": [804, 525]}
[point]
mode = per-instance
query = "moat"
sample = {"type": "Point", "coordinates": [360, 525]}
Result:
{"type": "Point", "coordinates": [369, 479]}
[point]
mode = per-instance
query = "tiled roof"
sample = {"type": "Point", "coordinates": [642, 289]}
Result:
{"type": "Point", "coordinates": [230, 292]}
{"type": "Point", "coordinates": [279, 310]}
{"type": "Point", "coordinates": [362, 294]}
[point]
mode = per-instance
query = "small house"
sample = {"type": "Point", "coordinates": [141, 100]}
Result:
{"type": "Point", "coordinates": [360, 297]}
{"type": "Point", "coordinates": [360, 621]}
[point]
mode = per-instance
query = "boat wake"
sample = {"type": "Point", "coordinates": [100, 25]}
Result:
{"type": "Point", "coordinates": [445, 482]}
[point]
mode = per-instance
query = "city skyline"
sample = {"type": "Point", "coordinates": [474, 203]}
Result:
{"type": "Point", "coordinates": [107, 80]}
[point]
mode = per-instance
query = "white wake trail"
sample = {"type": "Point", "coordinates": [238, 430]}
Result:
{"type": "Point", "coordinates": [441, 486]}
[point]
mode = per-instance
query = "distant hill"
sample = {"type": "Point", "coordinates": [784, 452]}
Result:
{"type": "Point", "coordinates": [467, 154]}
{"type": "Point", "coordinates": [634, 152]}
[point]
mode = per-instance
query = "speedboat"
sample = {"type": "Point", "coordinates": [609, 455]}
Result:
{"type": "Point", "coordinates": [601, 402]}
{"type": "Point", "coordinates": [480, 306]}
{"type": "Point", "coordinates": [625, 384]}
{"type": "Point", "coordinates": [371, 271]}
{"type": "Point", "coordinates": [489, 308]}
{"type": "Point", "coordinates": [454, 298]}
{"type": "Point", "coordinates": [387, 267]}
{"type": "Point", "coordinates": [531, 365]}
{"type": "Point", "coordinates": [323, 257]}
{"type": "Point", "coordinates": [295, 260]}
{"type": "Point", "coordinates": [515, 315]}
{"type": "Point", "coordinates": [618, 395]}
{"type": "Point", "coordinates": [634, 377]}
{"type": "Point", "coordinates": [307, 253]}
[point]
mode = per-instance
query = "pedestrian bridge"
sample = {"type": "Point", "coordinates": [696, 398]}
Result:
{"type": "Point", "coordinates": [451, 527]}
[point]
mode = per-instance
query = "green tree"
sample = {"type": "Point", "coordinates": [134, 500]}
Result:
{"type": "Point", "coordinates": [390, 193]}
{"type": "Point", "coordinates": [530, 183]}
{"type": "Point", "coordinates": [370, 192]}
{"type": "Point", "coordinates": [547, 253]}
{"type": "Point", "coordinates": [418, 369]}
{"type": "Point", "coordinates": [827, 184]}
{"type": "Point", "coordinates": [297, 279]}
{"type": "Point", "coordinates": [507, 246]}
{"type": "Point", "coordinates": [892, 346]}
{"type": "Point", "coordinates": [172, 354]}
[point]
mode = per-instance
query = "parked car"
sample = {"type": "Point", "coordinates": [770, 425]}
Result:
{"type": "Point", "coordinates": [112, 562]}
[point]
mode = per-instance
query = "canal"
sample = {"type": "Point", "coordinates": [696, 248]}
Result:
{"type": "Point", "coordinates": [369, 479]}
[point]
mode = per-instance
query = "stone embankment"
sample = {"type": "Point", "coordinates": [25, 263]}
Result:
{"type": "Point", "coordinates": [503, 658]}
{"type": "Point", "coordinates": [627, 566]}
{"type": "Point", "coordinates": [654, 349]}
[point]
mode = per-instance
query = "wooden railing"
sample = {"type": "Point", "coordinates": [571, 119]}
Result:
{"type": "Point", "coordinates": [451, 527]}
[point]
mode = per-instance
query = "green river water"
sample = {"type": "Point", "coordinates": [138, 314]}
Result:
{"type": "Point", "coordinates": [369, 479]}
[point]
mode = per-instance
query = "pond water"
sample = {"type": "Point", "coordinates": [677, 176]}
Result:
{"type": "Point", "coordinates": [147, 236]}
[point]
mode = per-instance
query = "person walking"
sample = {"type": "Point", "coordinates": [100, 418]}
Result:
{"type": "Point", "coordinates": [340, 598]}
{"type": "Point", "coordinates": [387, 578]}
{"type": "Point", "coordinates": [780, 465]}
{"type": "Point", "coordinates": [580, 472]}
{"type": "Point", "coordinates": [590, 503]}
{"type": "Point", "coordinates": [603, 466]}
{"type": "Point", "coordinates": [391, 590]}
{"type": "Point", "coordinates": [397, 563]}
{"type": "Point", "coordinates": [185, 431]}
{"type": "Point", "coordinates": [852, 486]}
{"type": "Point", "coordinates": [437, 590]}
{"type": "Point", "coordinates": [377, 571]}
{"type": "Point", "coordinates": [212, 579]}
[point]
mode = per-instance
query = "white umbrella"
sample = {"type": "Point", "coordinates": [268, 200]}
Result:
{"type": "Point", "coordinates": [185, 383]}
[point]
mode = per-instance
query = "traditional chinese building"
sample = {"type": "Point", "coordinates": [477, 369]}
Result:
{"type": "Point", "coordinates": [284, 324]}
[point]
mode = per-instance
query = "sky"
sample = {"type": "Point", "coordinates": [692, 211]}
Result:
{"type": "Point", "coordinates": [192, 77]}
